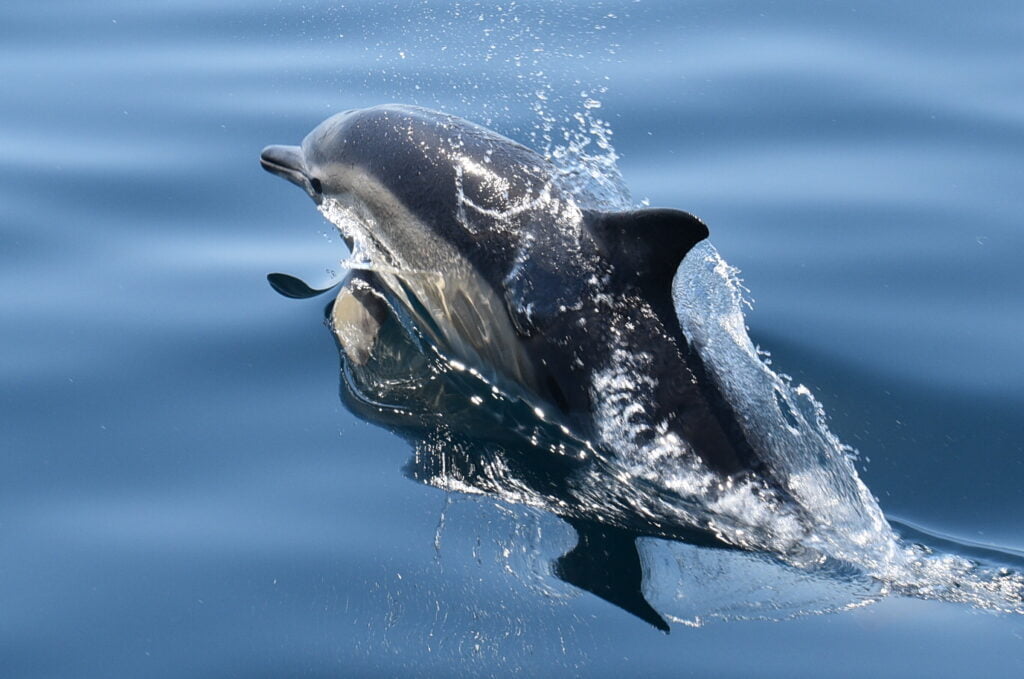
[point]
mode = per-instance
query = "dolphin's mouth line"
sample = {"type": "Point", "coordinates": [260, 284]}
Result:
{"type": "Point", "coordinates": [281, 170]}
{"type": "Point", "coordinates": [291, 174]}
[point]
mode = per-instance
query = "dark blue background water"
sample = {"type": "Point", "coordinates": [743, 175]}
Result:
{"type": "Point", "coordinates": [181, 492]}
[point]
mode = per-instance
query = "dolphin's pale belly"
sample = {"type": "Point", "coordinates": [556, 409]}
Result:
{"type": "Point", "coordinates": [468, 323]}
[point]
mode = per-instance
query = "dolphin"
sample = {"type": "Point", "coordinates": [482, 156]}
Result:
{"type": "Point", "coordinates": [509, 275]}
{"type": "Point", "coordinates": [470, 250]}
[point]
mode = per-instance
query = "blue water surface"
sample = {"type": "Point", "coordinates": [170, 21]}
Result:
{"type": "Point", "coordinates": [183, 494]}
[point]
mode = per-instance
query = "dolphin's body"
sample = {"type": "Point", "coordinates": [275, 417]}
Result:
{"type": "Point", "coordinates": [507, 274]}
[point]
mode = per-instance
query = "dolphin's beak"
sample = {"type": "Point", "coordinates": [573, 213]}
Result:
{"type": "Point", "coordinates": [288, 162]}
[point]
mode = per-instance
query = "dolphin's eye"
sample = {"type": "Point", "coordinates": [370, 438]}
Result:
{"type": "Point", "coordinates": [317, 186]}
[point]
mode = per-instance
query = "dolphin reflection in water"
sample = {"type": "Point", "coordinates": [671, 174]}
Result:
{"type": "Point", "coordinates": [531, 347]}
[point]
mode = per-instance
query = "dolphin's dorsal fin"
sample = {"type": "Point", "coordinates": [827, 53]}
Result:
{"type": "Point", "coordinates": [646, 245]}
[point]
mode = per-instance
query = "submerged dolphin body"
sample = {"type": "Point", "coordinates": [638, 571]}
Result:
{"type": "Point", "coordinates": [507, 275]}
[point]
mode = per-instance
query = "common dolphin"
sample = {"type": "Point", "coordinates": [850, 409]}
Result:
{"type": "Point", "coordinates": [502, 278]}
{"type": "Point", "coordinates": [508, 274]}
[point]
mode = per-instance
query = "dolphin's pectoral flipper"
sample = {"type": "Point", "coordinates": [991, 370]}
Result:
{"type": "Point", "coordinates": [293, 287]}
{"type": "Point", "coordinates": [646, 245]}
{"type": "Point", "coordinates": [606, 562]}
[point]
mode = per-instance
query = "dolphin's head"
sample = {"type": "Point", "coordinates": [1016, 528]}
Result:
{"type": "Point", "coordinates": [391, 166]}
{"type": "Point", "coordinates": [318, 159]}
{"type": "Point", "coordinates": [352, 153]}
{"type": "Point", "coordinates": [396, 159]}
{"type": "Point", "coordinates": [308, 165]}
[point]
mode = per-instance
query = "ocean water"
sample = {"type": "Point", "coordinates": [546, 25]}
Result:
{"type": "Point", "coordinates": [183, 491]}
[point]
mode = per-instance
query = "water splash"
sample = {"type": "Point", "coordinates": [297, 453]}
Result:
{"type": "Point", "coordinates": [506, 63]}
{"type": "Point", "coordinates": [789, 429]}
{"type": "Point", "coordinates": [501, 58]}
